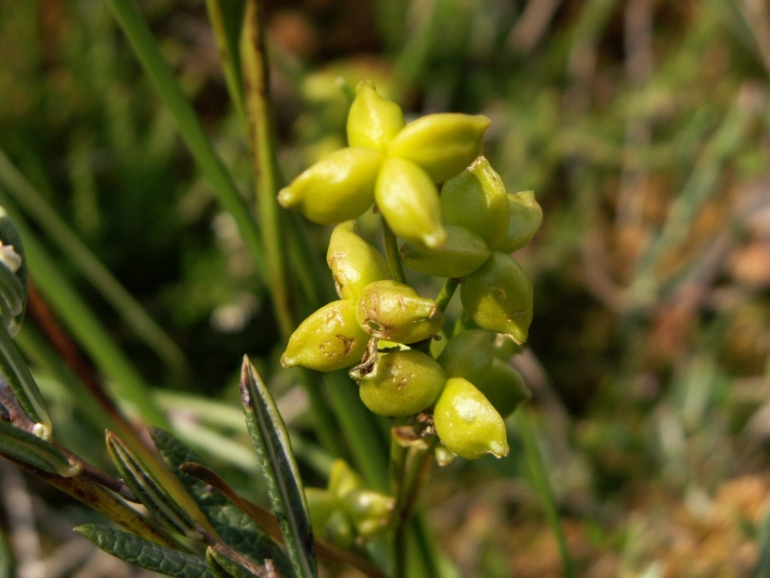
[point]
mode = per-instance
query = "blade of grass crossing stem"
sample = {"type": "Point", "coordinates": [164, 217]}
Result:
{"type": "Point", "coordinates": [189, 125]}
{"type": "Point", "coordinates": [268, 433]}
{"type": "Point", "coordinates": [543, 489]}
{"type": "Point", "coordinates": [134, 315]}
{"type": "Point", "coordinates": [70, 307]}
{"type": "Point", "coordinates": [264, 162]}
{"type": "Point", "coordinates": [227, 45]}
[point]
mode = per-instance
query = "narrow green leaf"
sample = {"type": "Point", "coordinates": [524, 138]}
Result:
{"type": "Point", "coordinates": [33, 450]}
{"type": "Point", "coordinates": [216, 568]}
{"type": "Point", "coordinates": [284, 486]}
{"type": "Point", "coordinates": [10, 236]}
{"type": "Point", "coordinates": [22, 384]}
{"type": "Point", "coordinates": [149, 492]}
{"type": "Point", "coordinates": [144, 553]}
{"type": "Point", "coordinates": [233, 525]}
{"type": "Point", "coordinates": [231, 568]}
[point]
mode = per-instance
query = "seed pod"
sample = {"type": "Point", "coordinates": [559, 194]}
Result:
{"type": "Point", "coordinates": [327, 340]}
{"type": "Point", "coordinates": [503, 387]}
{"type": "Point", "coordinates": [337, 188]}
{"type": "Point", "coordinates": [463, 253]}
{"type": "Point", "coordinates": [498, 297]}
{"type": "Point", "coordinates": [402, 383]}
{"type": "Point", "coordinates": [468, 355]}
{"type": "Point", "coordinates": [467, 423]}
{"type": "Point", "coordinates": [526, 216]}
{"type": "Point", "coordinates": [353, 261]}
{"type": "Point", "coordinates": [342, 479]}
{"type": "Point", "coordinates": [442, 144]}
{"type": "Point", "coordinates": [394, 311]}
{"type": "Point", "coordinates": [505, 347]}
{"type": "Point", "coordinates": [339, 531]}
{"type": "Point", "coordinates": [443, 456]}
{"type": "Point", "coordinates": [408, 200]}
{"type": "Point", "coordinates": [476, 199]}
{"type": "Point", "coordinates": [370, 511]}
{"type": "Point", "coordinates": [321, 504]}
{"type": "Point", "coordinates": [373, 120]}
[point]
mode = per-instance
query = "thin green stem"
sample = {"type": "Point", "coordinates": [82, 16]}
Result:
{"type": "Point", "coordinates": [392, 253]}
{"type": "Point", "coordinates": [543, 489]}
{"type": "Point", "coordinates": [228, 55]}
{"type": "Point", "coordinates": [189, 125]}
{"type": "Point", "coordinates": [265, 163]}
{"type": "Point", "coordinates": [447, 291]}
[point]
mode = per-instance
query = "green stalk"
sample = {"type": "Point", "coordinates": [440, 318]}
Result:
{"type": "Point", "coordinates": [265, 163]}
{"type": "Point", "coordinates": [446, 294]}
{"type": "Point", "coordinates": [543, 489]}
{"type": "Point", "coordinates": [134, 315]}
{"type": "Point", "coordinates": [189, 125]}
{"type": "Point", "coordinates": [392, 253]}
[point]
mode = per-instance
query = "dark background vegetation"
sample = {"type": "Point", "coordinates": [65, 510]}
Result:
{"type": "Point", "coordinates": [643, 127]}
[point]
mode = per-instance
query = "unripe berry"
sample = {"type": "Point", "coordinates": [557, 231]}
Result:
{"type": "Point", "coordinates": [342, 479]}
{"type": "Point", "coordinates": [442, 144]}
{"type": "Point", "coordinates": [476, 199]}
{"type": "Point", "coordinates": [395, 312]}
{"type": "Point", "coordinates": [370, 511]}
{"type": "Point", "coordinates": [337, 188]}
{"type": "Point", "coordinates": [408, 200]}
{"type": "Point", "coordinates": [525, 220]}
{"type": "Point", "coordinates": [498, 297]}
{"type": "Point", "coordinates": [468, 355]}
{"type": "Point", "coordinates": [402, 383]}
{"type": "Point", "coordinates": [373, 120]}
{"type": "Point", "coordinates": [353, 261]}
{"type": "Point", "coordinates": [467, 423]}
{"type": "Point", "coordinates": [503, 387]}
{"type": "Point", "coordinates": [327, 340]}
{"type": "Point", "coordinates": [463, 253]}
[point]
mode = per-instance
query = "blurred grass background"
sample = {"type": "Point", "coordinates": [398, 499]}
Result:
{"type": "Point", "coordinates": [644, 128]}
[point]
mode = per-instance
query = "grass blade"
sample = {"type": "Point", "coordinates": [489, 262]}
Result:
{"type": "Point", "coordinates": [268, 433]}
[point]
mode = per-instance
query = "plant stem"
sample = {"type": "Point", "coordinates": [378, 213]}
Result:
{"type": "Point", "coordinates": [228, 55]}
{"type": "Point", "coordinates": [265, 163]}
{"type": "Point", "coordinates": [540, 481]}
{"type": "Point", "coordinates": [392, 254]}
{"type": "Point", "coordinates": [447, 291]}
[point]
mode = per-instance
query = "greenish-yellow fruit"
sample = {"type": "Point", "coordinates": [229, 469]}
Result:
{"type": "Point", "coordinates": [408, 200]}
{"type": "Point", "coordinates": [463, 253]}
{"type": "Point", "coordinates": [468, 355]}
{"type": "Point", "coordinates": [370, 511]}
{"type": "Point", "coordinates": [329, 339]}
{"type": "Point", "coordinates": [322, 504]}
{"type": "Point", "coordinates": [498, 297]}
{"type": "Point", "coordinates": [353, 261]}
{"type": "Point", "coordinates": [342, 479]}
{"type": "Point", "coordinates": [503, 387]}
{"type": "Point", "coordinates": [442, 144]}
{"type": "Point", "coordinates": [526, 216]}
{"type": "Point", "coordinates": [401, 383]}
{"type": "Point", "coordinates": [373, 120]}
{"type": "Point", "coordinates": [476, 199]}
{"type": "Point", "coordinates": [467, 423]}
{"type": "Point", "coordinates": [505, 347]}
{"type": "Point", "coordinates": [339, 530]}
{"type": "Point", "coordinates": [337, 188]}
{"type": "Point", "coordinates": [394, 311]}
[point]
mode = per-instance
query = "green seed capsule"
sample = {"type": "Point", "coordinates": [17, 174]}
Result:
{"type": "Point", "coordinates": [476, 199]}
{"type": "Point", "coordinates": [402, 383]}
{"type": "Point", "coordinates": [342, 479]}
{"type": "Point", "coordinates": [337, 188]}
{"type": "Point", "coordinates": [408, 200]}
{"type": "Point", "coordinates": [327, 340]}
{"type": "Point", "coordinates": [322, 504]}
{"type": "Point", "coordinates": [526, 218]}
{"type": "Point", "coordinates": [503, 387]}
{"type": "Point", "coordinates": [373, 121]}
{"type": "Point", "coordinates": [395, 312]}
{"type": "Point", "coordinates": [468, 355]}
{"type": "Point", "coordinates": [463, 253]}
{"type": "Point", "coordinates": [442, 144]}
{"type": "Point", "coordinates": [339, 531]}
{"type": "Point", "coordinates": [505, 347]}
{"type": "Point", "coordinates": [467, 423]}
{"type": "Point", "coordinates": [443, 456]}
{"type": "Point", "coordinates": [353, 261]}
{"type": "Point", "coordinates": [370, 511]}
{"type": "Point", "coordinates": [498, 297]}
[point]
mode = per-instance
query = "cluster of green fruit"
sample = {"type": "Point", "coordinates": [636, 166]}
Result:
{"type": "Point", "coordinates": [382, 328]}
